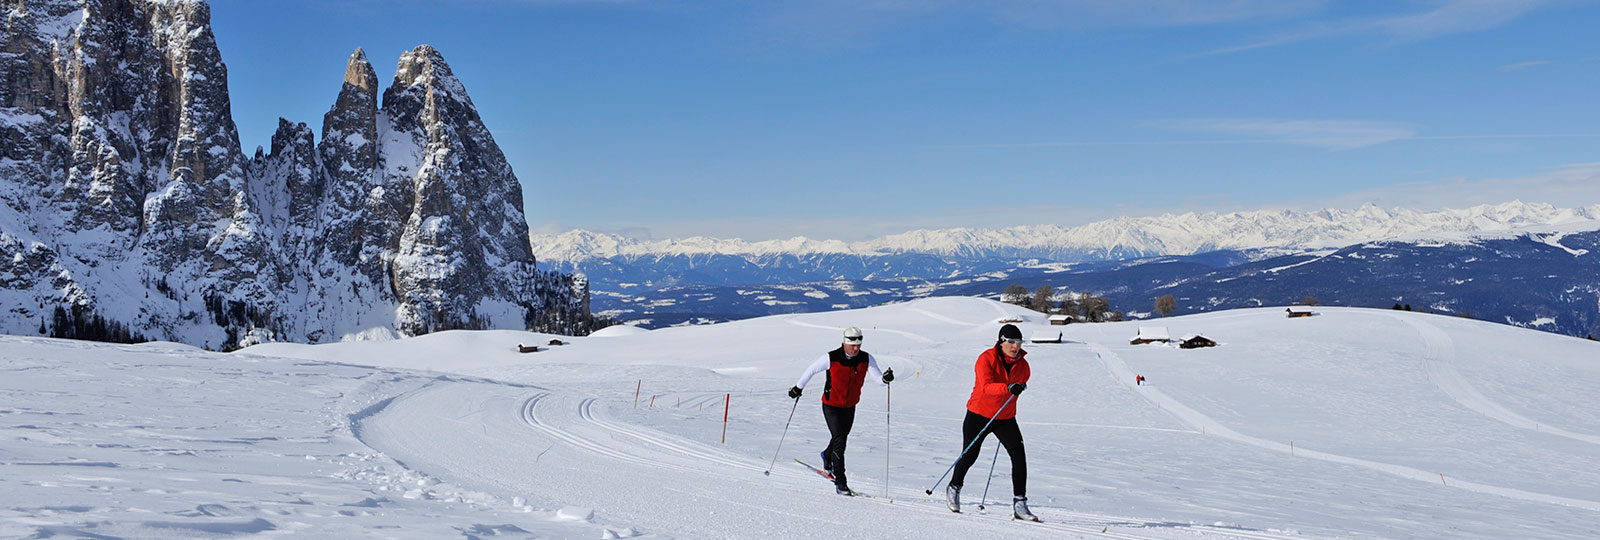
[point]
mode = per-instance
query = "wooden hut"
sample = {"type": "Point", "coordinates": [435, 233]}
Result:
{"type": "Point", "coordinates": [527, 348]}
{"type": "Point", "coordinates": [1299, 311]}
{"type": "Point", "coordinates": [1195, 341]}
{"type": "Point", "coordinates": [1045, 337]}
{"type": "Point", "coordinates": [1058, 320]}
{"type": "Point", "coordinates": [1151, 334]}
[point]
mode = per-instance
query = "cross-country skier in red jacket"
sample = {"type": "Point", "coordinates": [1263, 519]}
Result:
{"type": "Point", "coordinates": [1001, 374]}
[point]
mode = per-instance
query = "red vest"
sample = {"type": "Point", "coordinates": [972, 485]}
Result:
{"type": "Point", "coordinates": [842, 388]}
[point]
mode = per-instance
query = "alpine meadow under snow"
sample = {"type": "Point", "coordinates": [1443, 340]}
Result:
{"type": "Point", "coordinates": [1352, 423]}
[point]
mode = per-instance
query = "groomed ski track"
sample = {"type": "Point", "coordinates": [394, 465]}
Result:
{"type": "Point", "coordinates": [1440, 350]}
{"type": "Point", "coordinates": [528, 439]}
{"type": "Point", "coordinates": [1440, 363]}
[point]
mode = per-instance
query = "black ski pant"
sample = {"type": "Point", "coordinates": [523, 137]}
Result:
{"type": "Point", "coordinates": [1010, 436]}
{"type": "Point", "coordinates": [840, 420]}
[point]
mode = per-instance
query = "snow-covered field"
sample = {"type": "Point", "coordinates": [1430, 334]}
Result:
{"type": "Point", "coordinates": [1352, 423]}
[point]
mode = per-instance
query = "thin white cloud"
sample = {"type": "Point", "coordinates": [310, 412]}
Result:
{"type": "Point", "coordinates": [1523, 65]}
{"type": "Point", "coordinates": [1455, 17]}
{"type": "Point", "coordinates": [1328, 134]}
{"type": "Point", "coordinates": [1331, 134]}
{"type": "Point", "coordinates": [1143, 13]}
{"type": "Point", "coordinates": [846, 22]}
{"type": "Point", "coordinates": [1448, 17]}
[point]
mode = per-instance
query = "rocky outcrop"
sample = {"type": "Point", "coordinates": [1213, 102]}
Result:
{"type": "Point", "coordinates": [465, 229]}
{"type": "Point", "coordinates": [127, 208]}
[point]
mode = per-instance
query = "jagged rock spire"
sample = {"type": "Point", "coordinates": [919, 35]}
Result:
{"type": "Point", "coordinates": [464, 188]}
{"type": "Point", "coordinates": [123, 175]}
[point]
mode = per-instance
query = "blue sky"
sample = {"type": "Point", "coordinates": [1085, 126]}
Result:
{"type": "Point", "coordinates": [851, 119]}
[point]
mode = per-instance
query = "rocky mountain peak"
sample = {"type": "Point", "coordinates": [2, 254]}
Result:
{"type": "Point", "coordinates": [421, 66]}
{"type": "Point", "coordinates": [355, 110]}
{"type": "Point", "coordinates": [127, 208]}
{"type": "Point", "coordinates": [358, 72]}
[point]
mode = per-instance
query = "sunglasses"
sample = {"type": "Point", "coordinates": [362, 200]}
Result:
{"type": "Point", "coordinates": [1013, 341]}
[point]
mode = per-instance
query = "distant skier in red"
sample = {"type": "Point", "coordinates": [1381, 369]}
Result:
{"type": "Point", "coordinates": [1000, 375]}
{"type": "Point", "coordinates": [1138, 379]}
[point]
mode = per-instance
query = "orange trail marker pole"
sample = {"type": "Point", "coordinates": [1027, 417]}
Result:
{"type": "Point", "coordinates": [726, 400]}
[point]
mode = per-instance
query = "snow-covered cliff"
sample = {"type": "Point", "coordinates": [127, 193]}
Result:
{"type": "Point", "coordinates": [127, 207]}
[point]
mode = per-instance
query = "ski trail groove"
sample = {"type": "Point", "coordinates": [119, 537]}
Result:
{"type": "Point", "coordinates": [1439, 361]}
{"type": "Point", "coordinates": [919, 338]}
{"type": "Point", "coordinates": [663, 441]}
{"type": "Point", "coordinates": [531, 417]}
{"type": "Point", "coordinates": [1198, 420]}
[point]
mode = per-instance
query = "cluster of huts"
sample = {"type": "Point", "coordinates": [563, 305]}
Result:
{"type": "Point", "coordinates": [1158, 334]}
{"type": "Point", "coordinates": [535, 348]}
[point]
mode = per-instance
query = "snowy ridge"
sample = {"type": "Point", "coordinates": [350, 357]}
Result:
{"type": "Point", "coordinates": [1125, 237]}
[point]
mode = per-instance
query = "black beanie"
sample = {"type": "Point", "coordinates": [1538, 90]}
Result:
{"type": "Point", "coordinates": [1009, 331]}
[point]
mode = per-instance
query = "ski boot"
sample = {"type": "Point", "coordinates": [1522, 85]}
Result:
{"type": "Point", "coordinates": [1019, 510]}
{"type": "Point", "coordinates": [843, 490]}
{"type": "Point", "coordinates": [952, 498]}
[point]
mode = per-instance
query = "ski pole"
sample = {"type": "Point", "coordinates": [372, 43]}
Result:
{"type": "Point", "coordinates": [796, 405]}
{"type": "Point", "coordinates": [969, 445]}
{"type": "Point", "coordinates": [986, 483]}
{"type": "Point", "coordinates": [886, 403]}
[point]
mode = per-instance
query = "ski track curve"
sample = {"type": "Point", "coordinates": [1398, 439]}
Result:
{"type": "Point", "coordinates": [1122, 373]}
{"type": "Point", "coordinates": [1439, 361]}
{"type": "Point", "coordinates": [425, 428]}
{"type": "Point", "coordinates": [944, 319]}
{"type": "Point", "coordinates": [919, 338]}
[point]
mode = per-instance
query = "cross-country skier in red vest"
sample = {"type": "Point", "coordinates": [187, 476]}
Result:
{"type": "Point", "coordinates": [846, 368]}
{"type": "Point", "coordinates": [1001, 374]}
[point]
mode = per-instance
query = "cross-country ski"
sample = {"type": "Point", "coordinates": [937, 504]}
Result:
{"type": "Point", "coordinates": [819, 472]}
{"type": "Point", "coordinates": [824, 474]}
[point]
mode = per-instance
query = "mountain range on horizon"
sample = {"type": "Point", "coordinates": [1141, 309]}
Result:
{"type": "Point", "coordinates": [1265, 231]}
{"type": "Point", "coordinates": [1539, 280]}
{"type": "Point", "coordinates": [1516, 263]}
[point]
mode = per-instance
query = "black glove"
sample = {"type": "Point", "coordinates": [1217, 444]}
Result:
{"type": "Point", "coordinates": [888, 375]}
{"type": "Point", "coordinates": [1017, 388]}
{"type": "Point", "coordinates": [794, 392]}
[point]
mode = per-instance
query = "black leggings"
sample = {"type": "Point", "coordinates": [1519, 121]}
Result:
{"type": "Point", "coordinates": [1010, 437]}
{"type": "Point", "coordinates": [840, 420]}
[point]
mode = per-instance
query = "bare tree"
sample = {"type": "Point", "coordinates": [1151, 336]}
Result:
{"type": "Point", "coordinates": [1041, 298]}
{"type": "Point", "coordinates": [1015, 294]}
{"type": "Point", "coordinates": [1308, 301]}
{"type": "Point", "coordinates": [1070, 305]}
{"type": "Point", "coordinates": [1094, 308]}
{"type": "Point", "coordinates": [1166, 305]}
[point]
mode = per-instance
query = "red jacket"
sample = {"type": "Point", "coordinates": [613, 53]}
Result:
{"type": "Point", "coordinates": [990, 386]}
